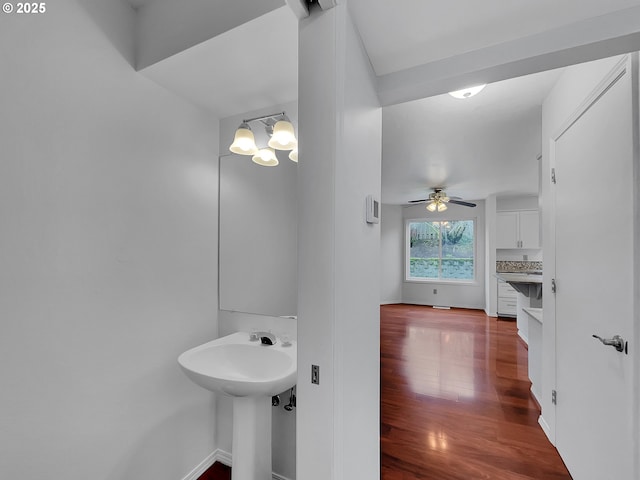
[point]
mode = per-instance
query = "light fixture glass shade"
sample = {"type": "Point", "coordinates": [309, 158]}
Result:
{"type": "Point", "coordinates": [293, 155]}
{"type": "Point", "coordinates": [432, 206]}
{"type": "Point", "coordinates": [283, 137]}
{"type": "Point", "coordinates": [244, 142]}
{"type": "Point", "coordinates": [467, 92]}
{"type": "Point", "coordinates": [266, 157]}
{"type": "Point", "coordinates": [442, 207]}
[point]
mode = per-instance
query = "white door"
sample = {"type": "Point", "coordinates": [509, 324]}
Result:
{"type": "Point", "coordinates": [594, 221]}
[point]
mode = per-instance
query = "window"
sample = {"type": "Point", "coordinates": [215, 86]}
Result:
{"type": "Point", "coordinates": [441, 250]}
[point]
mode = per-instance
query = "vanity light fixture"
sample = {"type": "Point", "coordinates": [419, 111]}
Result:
{"type": "Point", "coordinates": [244, 143]}
{"type": "Point", "coordinates": [467, 92]}
{"type": "Point", "coordinates": [266, 157]}
{"type": "Point", "coordinates": [293, 155]}
{"type": "Point", "coordinates": [282, 137]}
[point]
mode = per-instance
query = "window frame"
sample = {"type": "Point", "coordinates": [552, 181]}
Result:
{"type": "Point", "coordinates": [442, 281]}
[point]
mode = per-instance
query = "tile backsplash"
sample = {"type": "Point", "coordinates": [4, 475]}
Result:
{"type": "Point", "coordinates": [517, 266]}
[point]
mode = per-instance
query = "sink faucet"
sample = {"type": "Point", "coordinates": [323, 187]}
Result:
{"type": "Point", "coordinates": [267, 338]}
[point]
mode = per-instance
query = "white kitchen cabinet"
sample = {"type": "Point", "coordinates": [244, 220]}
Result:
{"type": "Point", "coordinates": [518, 229]}
{"type": "Point", "coordinates": [507, 299]}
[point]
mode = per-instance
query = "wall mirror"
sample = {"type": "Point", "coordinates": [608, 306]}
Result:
{"type": "Point", "coordinates": [258, 236]}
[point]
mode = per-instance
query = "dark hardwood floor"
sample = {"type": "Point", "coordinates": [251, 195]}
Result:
{"type": "Point", "coordinates": [455, 401]}
{"type": "Point", "coordinates": [217, 471]}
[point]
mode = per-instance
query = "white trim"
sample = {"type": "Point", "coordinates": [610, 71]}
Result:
{"type": "Point", "coordinates": [618, 71]}
{"type": "Point", "coordinates": [299, 8]}
{"type": "Point", "coordinates": [202, 467]}
{"type": "Point", "coordinates": [523, 337]}
{"type": "Point", "coordinates": [490, 314]}
{"type": "Point", "coordinates": [275, 476]}
{"type": "Point", "coordinates": [407, 251]}
{"type": "Point", "coordinates": [223, 457]}
{"type": "Point", "coordinates": [635, 92]}
{"type": "Point", "coordinates": [327, 4]}
{"type": "Point", "coordinates": [545, 428]}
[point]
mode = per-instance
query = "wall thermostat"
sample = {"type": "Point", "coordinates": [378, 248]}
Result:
{"type": "Point", "coordinates": [373, 209]}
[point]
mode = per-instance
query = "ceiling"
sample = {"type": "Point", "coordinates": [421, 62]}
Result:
{"type": "Point", "coordinates": [405, 33]}
{"type": "Point", "coordinates": [476, 147]}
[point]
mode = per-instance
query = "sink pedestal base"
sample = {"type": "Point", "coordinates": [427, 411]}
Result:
{"type": "Point", "coordinates": [251, 438]}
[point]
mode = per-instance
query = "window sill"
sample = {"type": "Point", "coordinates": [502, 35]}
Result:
{"type": "Point", "coordinates": [465, 283]}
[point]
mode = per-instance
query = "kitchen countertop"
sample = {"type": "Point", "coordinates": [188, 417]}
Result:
{"type": "Point", "coordinates": [528, 284]}
{"type": "Point", "coordinates": [519, 277]}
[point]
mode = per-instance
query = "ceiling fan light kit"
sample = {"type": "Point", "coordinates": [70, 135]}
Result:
{"type": "Point", "coordinates": [437, 201]}
{"type": "Point", "coordinates": [436, 206]}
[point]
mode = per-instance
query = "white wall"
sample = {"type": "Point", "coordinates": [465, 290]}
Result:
{"type": "Point", "coordinates": [339, 254]}
{"type": "Point", "coordinates": [450, 295]}
{"type": "Point", "coordinates": [391, 249]}
{"type": "Point", "coordinates": [161, 24]}
{"type": "Point", "coordinates": [573, 86]}
{"type": "Point", "coordinates": [108, 187]}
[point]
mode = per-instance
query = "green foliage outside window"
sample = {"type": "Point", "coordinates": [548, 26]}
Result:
{"type": "Point", "coordinates": [442, 250]}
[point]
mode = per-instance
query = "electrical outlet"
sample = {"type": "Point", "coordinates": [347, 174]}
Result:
{"type": "Point", "coordinates": [435, 291]}
{"type": "Point", "coordinates": [315, 374]}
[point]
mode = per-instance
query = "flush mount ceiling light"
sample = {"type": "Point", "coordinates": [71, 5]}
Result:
{"type": "Point", "coordinates": [282, 137]}
{"type": "Point", "coordinates": [467, 92]}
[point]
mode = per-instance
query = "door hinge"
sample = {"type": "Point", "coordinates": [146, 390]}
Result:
{"type": "Point", "coordinates": [553, 176]}
{"type": "Point", "coordinates": [554, 397]}
{"type": "Point", "coordinates": [554, 287]}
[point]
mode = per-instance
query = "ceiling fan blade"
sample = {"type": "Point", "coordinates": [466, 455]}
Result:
{"type": "Point", "coordinates": [460, 202]}
{"type": "Point", "coordinates": [419, 201]}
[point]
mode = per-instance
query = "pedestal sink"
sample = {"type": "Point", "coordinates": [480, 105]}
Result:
{"type": "Point", "coordinates": [251, 373]}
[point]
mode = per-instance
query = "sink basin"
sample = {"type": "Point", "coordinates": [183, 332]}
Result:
{"type": "Point", "coordinates": [251, 373]}
{"type": "Point", "coordinates": [235, 366]}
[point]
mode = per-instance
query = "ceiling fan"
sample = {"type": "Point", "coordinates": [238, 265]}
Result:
{"type": "Point", "coordinates": [438, 200]}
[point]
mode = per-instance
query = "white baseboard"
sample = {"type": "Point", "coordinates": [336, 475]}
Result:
{"type": "Point", "coordinates": [490, 313]}
{"type": "Point", "coordinates": [545, 428]}
{"type": "Point", "coordinates": [524, 339]}
{"type": "Point", "coordinates": [219, 456]}
{"type": "Point", "coordinates": [223, 457]}
{"type": "Point", "coordinates": [202, 467]}
{"type": "Point", "coordinates": [278, 477]}
{"type": "Point", "coordinates": [535, 395]}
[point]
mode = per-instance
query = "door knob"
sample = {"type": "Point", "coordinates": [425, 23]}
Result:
{"type": "Point", "coordinates": [617, 342]}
